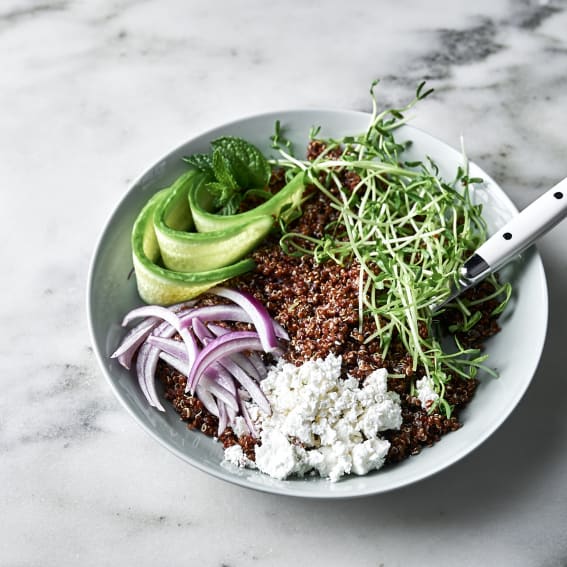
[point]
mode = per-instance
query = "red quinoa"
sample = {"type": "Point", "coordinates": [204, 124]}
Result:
{"type": "Point", "coordinates": [318, 306]}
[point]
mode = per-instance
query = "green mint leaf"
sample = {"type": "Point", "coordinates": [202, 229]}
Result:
{"type": "Point", "coordinates": [201, 162]}
{"type": "Point", "coordinates": [246, 163]}
{"type": "Point", "coordinates": [221, 193]}
{"type": "Point", "coordinates": [223, 170]}
{"type": "Point", "coordinates": [231, 206]}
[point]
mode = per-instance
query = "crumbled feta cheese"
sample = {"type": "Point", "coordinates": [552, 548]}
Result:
{"type": "Point", "coordinates": [276, 456]}
{"type": "Point", "coordinates": [369, 455]}
{"type": "Point", "coordinates": [426, 392]}
{"type": "Point", "coordinates": [235, 455]}
{"type": "Point", "coordinates": [320, 422]}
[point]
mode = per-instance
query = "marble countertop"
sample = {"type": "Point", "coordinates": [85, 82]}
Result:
{"type": "Point", "coordinates": [91, 94]}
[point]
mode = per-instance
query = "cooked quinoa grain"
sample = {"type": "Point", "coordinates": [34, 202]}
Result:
{"type": "Point", "coordinates": [317, 304]}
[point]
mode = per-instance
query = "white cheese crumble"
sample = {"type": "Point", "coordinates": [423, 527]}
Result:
{"type": "Point", "coordinates": [320, 422]}
{"type": "Point", "coordinates": [426, 392]}
{"type": "Point", "coordinates": [235, 455]}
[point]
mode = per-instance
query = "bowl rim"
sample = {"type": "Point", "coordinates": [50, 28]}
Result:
{"type": "Point", "coordinates": [289, 489]}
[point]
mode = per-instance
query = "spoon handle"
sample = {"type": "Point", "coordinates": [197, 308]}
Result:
{"type": "Point", "coordinates": [535, 220]}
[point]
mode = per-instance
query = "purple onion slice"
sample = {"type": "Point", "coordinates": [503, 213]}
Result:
{"type": "Point", "coordinates": [207, 399]}
{"type": "Point", "coordinates": [227, 313]}
{"type": "Point", "coordinates": [223, 418]}
{"type": "Point", "coordinates": [257, 312]}
{"type": "Point", "coordinates": [250, 385]}
{"type": "Point", "coordinates": [246, 415]}
{"type": "Point", "coordinates": [132, 341]}
{"type": "Point", "coordinates": [219, 348]}
{"type": "Point", "coordinates": [251, 364]}
{"type": "Point", "coordinates": [175, 362]}
{"type": "Point", "coordinates": [169, 346]}
{"type": "Point", "coordinates": [218, 391]}
{"type": "Point", "coordinates": [201, 331]}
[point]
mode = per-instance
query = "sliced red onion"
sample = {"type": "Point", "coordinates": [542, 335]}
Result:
{"type": "Point", "coordinates": [223, 418]}
{"type": "Point", "coordinates": [212, 371]}
{"type": "Point", "coordinates": [245, 362]}
{"type": "Point", "coordinates": [223, 377]}
{"type": "Point", "coordinates": [258, 364]}
{"type": "Point", "coordinates": [175, 362]}
{"type": "Point", "coordinates": [215, 385]}
{"type": "Point", "coordinates": [177, 358]}
{"type": "Point", "coordinates": [201, 331]}
{"type": "Point", "coordinates": [216, 313]}
{"type": "Point", "coordinates": [132, 341]}
{"type": "Point", "coordinates": [209, 383]}
{"type": "Point", "coordinates": [215, 371]}
{"type": "Point", "coordinates": [220, 347]}
{"type": "Point", "coordinates": [165, 331]}
{"type": "Point", "coordinates": [207, 399]}
{"type": "Point", "coordinates": [177, 308]}
{"type": "Point", "coordinates": [281, 333]}
{"type": "Point", "coordinates": [237, 365]}
{"type": "Point", "coordinates": [140, 372]}
{"type": "Point", "coordinates": [257, 312]}
{"type": "Point", "coordinates": [231, 414]}
{"type": "Point", "coordinates": [169, 317]}
{"type": "Point", "coordinates": [173, 352]}
{"type": "Point", "coordinates": [251, 363]}
{"type": "Point", "coordinates": [152, 311]}
{"type": "Point", "coordinates": [138, 334]}
{"type": "Point", "coordinates": [218, 330]}
{"type": "Point", "coordinates": [246, 415]}
{"type": "Point", "coordinates": [220, 392]}
{"type": "Point", "coordinates": [250, 385]}
{"type": "Point", "coordinates": [209, 390]}
{"type": "Point", "coordinates": [147, 375]}
{"type": "Point", "coordinates": [227, 313]}
{"type": "Point", "coordinates": [146, 364]}
{"type": "Point", "coordinates": [170, 346]}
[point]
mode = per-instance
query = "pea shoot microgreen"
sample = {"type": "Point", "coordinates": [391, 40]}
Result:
{"type": "Point", "coordinates": [408, 229]}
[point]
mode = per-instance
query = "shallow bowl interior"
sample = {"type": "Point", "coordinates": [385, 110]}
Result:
{"type": "Point", "coordinates": [112, 292]}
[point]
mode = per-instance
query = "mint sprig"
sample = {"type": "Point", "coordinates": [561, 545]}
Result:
{"type": "Point", "coordinates": [235, 166]}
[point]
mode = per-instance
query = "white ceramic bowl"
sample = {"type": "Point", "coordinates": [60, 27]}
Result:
{"type": "Point", "coordinates": [514, 352]}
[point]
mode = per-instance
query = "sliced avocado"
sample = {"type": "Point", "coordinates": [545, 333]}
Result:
{"type": "Point", "coordinates": [159, 285]}
{"type": "Point", "coordinates": [200, 251]}
{"type": "Point", "coordinates": [201, 203]}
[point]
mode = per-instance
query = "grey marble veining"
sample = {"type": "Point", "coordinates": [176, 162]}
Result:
{"type": "Point", "coordinates": [91, 93]}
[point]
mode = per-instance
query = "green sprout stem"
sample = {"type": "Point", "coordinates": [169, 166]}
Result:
{"type": "Point", "coordinates": [408, 230]}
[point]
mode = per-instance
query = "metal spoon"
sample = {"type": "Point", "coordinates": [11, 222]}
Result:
{"type": "Point", "coordinates": [513, 238]}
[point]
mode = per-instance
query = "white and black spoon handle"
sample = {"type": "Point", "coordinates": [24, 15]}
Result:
{"type": "Point", "coordinates": [514, 237]}
{"type": "Point", "coordinates": [509, 241]}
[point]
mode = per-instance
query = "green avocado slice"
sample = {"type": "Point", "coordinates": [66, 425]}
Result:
{"type": "Point", "coordinates": [162, 286]}
{"type": "Point", "coordinates": [286, 200]}
{"type": "Point", "coordinates": [185, 251]}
